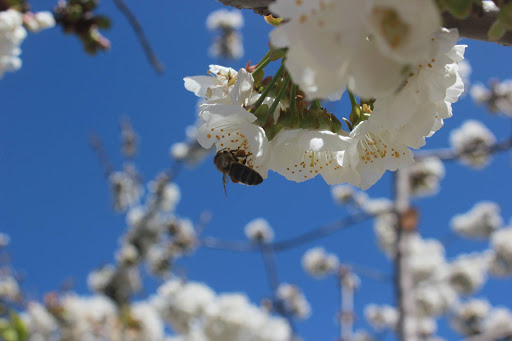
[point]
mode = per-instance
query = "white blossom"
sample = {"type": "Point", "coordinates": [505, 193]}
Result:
{"type": "Point", "coordinates": [4, 240]}
{"type": "Point", "coordinates": [318, 263]}
{"type": "Point", "coordinates": [425, 258]}
{"type": "Point", "coordinates": [362, 335]}
{"type": "Point", "coordinates": [39, 21]}
{"type": "Point", "coordinates": [472, 141]}
{"type": "Point", "coordinates": [498, 98]}
{"type": "Point", "coordinates": [378, 206]}
{"type": "Point", "coordinates": [9, 288]}
{"type": "Point", "coordinates": [371, 152]}
{"type": "Point", "coordinates": [223, 18]}
{"type": "Point", "coordinates": [300, 155]}
{"type": "Point", "coordinates": [99, 279]}
{"type": "Point", "coordinates": [427, 326]}
{"type": "Point", "coordinates": [342, 194]}
{"type": "Point", "coordinates": [294, 300]}
{"type": "Point", "coordinates": [126, 189]}
{"type": "Point", "coordinates": [86, 317]}
{"type": "Point", "coordinates": [418, 109]}
{"type": "Point", "coordinates": [501, 242]}
{"type": "Point", "coordinates": [39, 322]}
{"type": "Point", "coordinates": [12, 35]}
{"type": "Point", "coordinates": [181, 304]}
{"type": "Point", "coordinates": [434, 298]}
{"type": "Point", "coordinates": [381, 317]}
{"type": "Point", "coordinates": [468, 317]}
{"type": "Point", "coordinates": [215, 87]}
{"type": "Point", "coordinates": [468, 272]}
{"type": "Point", "coordinates": [498, 321]}
{"type": "Point", "coordinates": [328, 45]}
{"type": "Point", "coordinates": [232, 317]}
{"type": "Point", "coordinates": [149, 325]}
{"type": "Point", "coordinates": [384, 227]}
{"type": "Point", "coordinates": [259, 231]}
{"type": "Point", "coordinates": [480, 222]}
{"type": "Point", "coordinates": [425, 176]}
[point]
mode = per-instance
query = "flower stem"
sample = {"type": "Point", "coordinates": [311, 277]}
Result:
{"type": "Point", "coordinates": [279, 96]}
{"type": "Point", "coordinates": [293, 94]}
{"type": "Point", "coordinates": [269, 87]}
{"type": "Point", "coordinates": [262, 63]}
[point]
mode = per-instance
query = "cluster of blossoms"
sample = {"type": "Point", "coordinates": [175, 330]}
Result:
{"type": "Point", "coordinates": [229, 42]}
{"type": "Point", "coordinates": [293, 301]}
{"type": "Point", "coordinates": [191, 310]}
{"type": "Point", "coordinates": [497, 99]}
{"type": "Point", "coordinates": [404, 71]}
{"type": "Point", "coordinates": [12, 34]}
{"type": "Point", "coordinates": [480, 222]}
{"type": "Point", "coordinates": [317, 263]}
{"type": "Point", "coordinates": [472, 142]}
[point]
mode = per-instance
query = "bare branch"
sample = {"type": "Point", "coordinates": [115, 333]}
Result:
{"type": "Point", "coordinates": [99, 149]}
{"type": "Point", "coordinates": [404, 283]}
{"type": "Point", "coordinates": [471, 28]}
{"type": "Point", "coordinates": [448, 154]}
{"type": "Point", "coordinates": [258, 6]}
{"type": "Point", "coordinates": [141, 36]}
{"type": "Point", "coordinates": [304, 238]}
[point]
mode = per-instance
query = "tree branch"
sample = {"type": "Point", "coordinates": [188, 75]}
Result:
{"type": "Point", "coordinates": [448, 154]}
{"type": "Point", "coordinates": [286, 244]}
{"type": "Point", "coordinates": [471, 28]}
{"type": "Point", "coordinates": [404, 283]}
{"type": "Point", "coordinates": [139, 32]}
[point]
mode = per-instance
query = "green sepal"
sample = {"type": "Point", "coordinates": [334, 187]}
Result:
{"type": "Point", "coordinates": [273, 20]}
{"type": "Point", "coordinates": [261, 115]}
{"type": "Point", "coordinates": [272, 130]}
{"type": "Point", "coordinates": [276, 54]}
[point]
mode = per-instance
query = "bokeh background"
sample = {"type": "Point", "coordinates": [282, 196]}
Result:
{"type": "Point", "coordinates": [55, 202]}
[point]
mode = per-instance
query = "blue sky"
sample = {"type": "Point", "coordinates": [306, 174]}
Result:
{"type": "Point", "coordinates": [55, 202]}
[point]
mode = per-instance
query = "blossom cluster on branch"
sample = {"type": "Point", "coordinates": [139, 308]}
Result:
{"type": "Point", "coordinates": [402, 66]}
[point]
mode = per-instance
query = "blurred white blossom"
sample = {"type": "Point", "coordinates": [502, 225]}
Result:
{"type": "Point", "coordinates": [468, 272]}
{"type": "Point", "coordinates": [381, 317]}
{"type": "Point", "coordinates": [229, 42]}
{"type": "Point", "coordinates": [425, 176]}
{"type": "Point", "coordinates": [472, 141]}
{"type": "Point", "coordinates": [12, 35]}
{"type": "Point", "coordinates": [294, 300]}
{"type": "Point", "coordinates": [468, 317]}
{"type": "Point", "coordinates": [480, 222]}
{"type": "Point", "coordinates": [318, 263]}
{"type": "Point", "coordinates": [497, 99]}
{"type": "Point", "coordinates": [259, 231]}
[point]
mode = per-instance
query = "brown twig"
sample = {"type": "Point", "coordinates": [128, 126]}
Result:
{"type": "Point", "coordinates": [139, 32]}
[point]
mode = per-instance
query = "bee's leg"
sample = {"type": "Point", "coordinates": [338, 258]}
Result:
{"type": "Point", "coordinates": [224, 184]}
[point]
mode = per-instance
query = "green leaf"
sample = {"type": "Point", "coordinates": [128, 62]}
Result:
{"type": "Point", "coordinates": [460, 9]}
{"type": "Point", "coordinates": [497, 31]}
{"type": "Point", "coordinates": [505, 16]}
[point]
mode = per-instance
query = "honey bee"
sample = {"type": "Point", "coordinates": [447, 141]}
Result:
{"type": "Point", "coordinates": [232, 163]}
